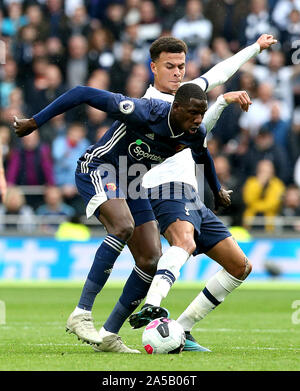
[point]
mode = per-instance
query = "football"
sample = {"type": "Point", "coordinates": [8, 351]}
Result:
{"type": "Point", "coordinates": [163, 335]}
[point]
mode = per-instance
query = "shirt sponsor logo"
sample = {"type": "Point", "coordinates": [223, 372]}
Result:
{"type": "Point", "coordinates": [126, 106]}
{"type": "Point", "coordinates": [140, 150]}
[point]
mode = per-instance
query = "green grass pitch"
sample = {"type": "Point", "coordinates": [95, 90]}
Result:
{"type": "Point", "coordinates": [255, 329]}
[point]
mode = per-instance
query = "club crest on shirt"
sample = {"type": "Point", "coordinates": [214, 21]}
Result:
{"type": "Point", "coordinates": [110, 187]}
{"type": "Point", "coordinates": [126, 106]}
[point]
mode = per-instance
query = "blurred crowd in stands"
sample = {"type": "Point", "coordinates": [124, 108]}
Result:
{"type": "Point", "coordinates": [54, 45]}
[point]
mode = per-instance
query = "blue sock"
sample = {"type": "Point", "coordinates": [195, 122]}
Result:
{"type": "Point", "coordinates": [104, 260]}
{"type": "Point", "coordinates": [133, 293]}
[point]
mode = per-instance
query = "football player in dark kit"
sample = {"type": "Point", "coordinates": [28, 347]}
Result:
{"type": "Point", "coordinates": [99, 178]}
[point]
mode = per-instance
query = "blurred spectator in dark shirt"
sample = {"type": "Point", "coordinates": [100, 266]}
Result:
{"type": "Point", "coordinates": [100, 49]}
{"type": "Point", "coordinates": [263, 147]}
{"type": "Point", "coordinates": [55, 207]}
{"type": "Point", "coordinates": [226, 17]}
{"type": "Point", "coordinates": [58, 21]}
{"type": "Point", "coordinates": [122, 68]}
{"type": "Point", "coordinates": [277, 126]}
{"type": "Point", "coordinates": [257, 22]}
{"type": "Point", "coordinates": [230, 182]}
{"type": "Point", "coordinates": [114, 20]}
{"type": "Point", "coordinates": [294, 136]}
{"type": "Point", "coordinates": [30, 163]}
{"type": "Point", "coordinates": [169, 12]}
{"type": "Point", "coordinates": [53, 87]}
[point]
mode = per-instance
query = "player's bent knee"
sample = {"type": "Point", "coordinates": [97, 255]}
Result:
{"type": "Point", "coordinates": [244, 269]}
{"type": "Point", "coordinates": [148, 262]}
{"type": "Point", "coordinates": [124, 230]}
{"type": "Point", "coordinates": [187, 243]}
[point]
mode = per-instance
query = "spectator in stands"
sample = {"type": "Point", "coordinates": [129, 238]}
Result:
{"type": "Point", "coordinates": [169, 12]}
{"type": "Point", "coordinates": [282, 79]}
{"type": "Point", "coordinates": [79, 20]}
{"type": "Point", "coordinates": [58, 21]}
{"type": "Point", "coordinates": [262, 195]}
{"type": "Point", "coordinates": [260, 111]}
{"type": "Point", "coordinates": [55, 207]}
{"type": "Point", "coordinates": [227, 126]}
{"type": "Point", "coordinates": [291, 207]}
{"type": "Point", "coordinates": [14, 20]}
{"type": "Point", "coordinates": [294, 136]}
{"type": "Point", "coordinates": [5, 138]}
{"type": "Point", "coordinates": [95, 118]}
{"type": "Point", "coordinates": [77, 63]}
{"type": "Point", "coordinates": [149, 28]}
{"type": "Point", "coordinates": [30, 163]}
{"type": "Point", "coordinates": [256, 23]}
{"type": "Point", "coordinates": [66, 150]}
{"type": "Point", "coordinates": [122, 68]}
{"type": "Point", "coordinates": [114, 20]}
{"type": "Point", "coordinates": [47, 88]}
{"type": "Point", "coordinates": [193, 28]}
{"type": "Point", "coordinates": [15, 214]}
{"type": "Point", "coordinates": [263, 147]}
{"type": "Point", "coordinates": [100, 49]}
{"type": "Point", "coordinates": [8, 82]}
{"type": "Point", "coordinates": [230, 182]}
{"type": "Point", "coordinates": [36, 20]}
{"type": "Point", "coordinates": [277, 126]}
{"type": "Point", "coordinates": [226, 17]}
{"type": "Point", "coordinates": [282, 10]}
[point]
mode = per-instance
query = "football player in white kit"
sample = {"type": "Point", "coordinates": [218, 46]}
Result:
{"type": "Point", "coordinates": [191, 232]}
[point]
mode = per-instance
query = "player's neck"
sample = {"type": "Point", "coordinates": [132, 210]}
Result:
{"type": "Point", "coordinates": [163, 89]}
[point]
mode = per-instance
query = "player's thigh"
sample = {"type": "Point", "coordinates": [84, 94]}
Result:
{"type": "Point", "coordinates": [229, 255]}
{"type": "Point", "coordinates": [115, 215]}
{"type": "Point", "coordinates": [180, 233]}
{"type": "Point", "coordinates": [145, 246]}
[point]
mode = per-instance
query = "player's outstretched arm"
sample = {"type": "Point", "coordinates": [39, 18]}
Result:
{"type": "Point", "coordinates": [221, 72]}
{"type": "Point", "coordinates": [213, 113]}
{"type": "Point", "coordinates": [99, 99]}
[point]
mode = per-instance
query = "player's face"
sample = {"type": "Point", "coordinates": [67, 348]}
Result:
{"type": "Point", "coordinates": [188, 118]}
{"type": "Point", "coordinates": [168, 71]}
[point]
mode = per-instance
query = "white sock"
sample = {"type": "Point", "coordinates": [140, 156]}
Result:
{"type": "Point", "coordinates": [78, 311]}
{"type": "Point", "coordinates": [214, 293]}
{"type": "Point", "coordinates": [168, 270]}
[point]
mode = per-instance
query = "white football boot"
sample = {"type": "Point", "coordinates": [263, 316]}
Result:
{"type": "Point", "coordinates": [82, 325]}
{"type": "Point", "coordinates": [111, 342]}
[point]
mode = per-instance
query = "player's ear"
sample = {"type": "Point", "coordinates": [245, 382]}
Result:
{"type": "Point", "coordinates": [153, 67]}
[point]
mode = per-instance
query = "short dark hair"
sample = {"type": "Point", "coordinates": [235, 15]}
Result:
{"type": "Point", "coordinates": [188, 91]}
{"type": "Point", "coordinates": [167, 44]}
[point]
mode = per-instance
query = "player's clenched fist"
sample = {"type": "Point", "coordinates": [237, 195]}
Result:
{"type": "Point", "coordinates": [265, 41]}
{"type": "Point", "coordinates": [23, 127]}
